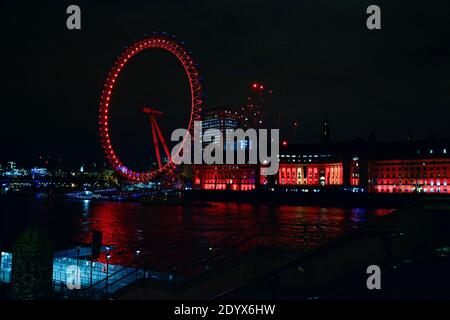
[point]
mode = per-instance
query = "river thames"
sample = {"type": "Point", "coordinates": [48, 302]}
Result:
{"type": "Point", "coordinates": [170, 235]}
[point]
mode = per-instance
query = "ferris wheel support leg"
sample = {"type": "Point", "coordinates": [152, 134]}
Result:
{"type": "Point", "coordinates": [161, 138]}
{"type": "Point", "coordinates": [155, 141]}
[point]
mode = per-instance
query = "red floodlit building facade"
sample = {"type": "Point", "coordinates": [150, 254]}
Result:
{"type": "Point", "coordinates": [410, 167]}
{"type": "Point", "coordinates": [408, 176]}
{"type": "Point", "coordinates": [234, 177]}
{"type": "Point", "coordinates": [226, 177]}
{"type": "Point", "coordinates": [318, 165]}
{"type": "Point", "coordinates": [421, 166]}
{"type": "Point", "coordinates": [381, 167]}
{"type": "Point", "coordinates": [323, 174]}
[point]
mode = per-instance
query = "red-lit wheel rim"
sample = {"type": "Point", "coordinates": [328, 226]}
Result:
{"type": "Point", "coordinates": [172, 46]}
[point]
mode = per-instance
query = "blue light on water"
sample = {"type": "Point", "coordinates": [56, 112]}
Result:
{"type": "Point", "coordinates": [358, 215]}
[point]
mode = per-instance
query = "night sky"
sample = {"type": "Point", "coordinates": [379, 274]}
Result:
{"type": "Point", "coordinates": [317, 56]}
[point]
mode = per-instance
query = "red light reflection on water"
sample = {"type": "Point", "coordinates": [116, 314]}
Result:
{"type": "Point", "coordinates": [170, 236]}
{"type": "Point", "coordinates": [383, 212]}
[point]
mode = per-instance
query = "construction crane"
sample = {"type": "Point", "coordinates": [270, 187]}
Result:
{"type": "Point", "coordinates": [258, 102]}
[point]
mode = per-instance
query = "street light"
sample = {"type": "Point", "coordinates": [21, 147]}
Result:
{"type": "Point", "coordinates": [108, 256]}
{"type": "Point", "coordinates": [137, 259]}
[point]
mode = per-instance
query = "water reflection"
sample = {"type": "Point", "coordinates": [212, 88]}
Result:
{"type": "Point", "coordinates": [85, 217]}
{"type": "Point", "coordinates": [172, 235]}
{"type": "Point", "coordinates": [182, 233]}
